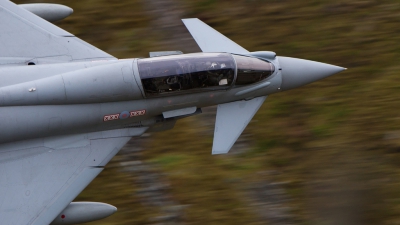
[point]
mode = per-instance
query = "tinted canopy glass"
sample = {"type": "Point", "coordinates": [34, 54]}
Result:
{"type": "Point", "coordinates": [200, 71]}
{"type": "Point", "coordinates": [251, 70]}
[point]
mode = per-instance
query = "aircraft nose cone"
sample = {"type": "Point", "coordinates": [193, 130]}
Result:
{"type": "Point", "coordinates": [299, 72]}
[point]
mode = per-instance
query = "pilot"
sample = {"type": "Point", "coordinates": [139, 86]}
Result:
{"type": "Point", "coordinates": [214, 79]}
{"type": "Point", "coordinates": [173, 82]}
{"type": "Point", "coordinates": [215, 74]}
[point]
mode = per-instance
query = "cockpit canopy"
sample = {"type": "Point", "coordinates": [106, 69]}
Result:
{"type": "Point", "coordinates": [251, 70]}
{"type": "Point", "coordinates": [200, 72]}
{"type": "Point", "coordinates": [186, 72]}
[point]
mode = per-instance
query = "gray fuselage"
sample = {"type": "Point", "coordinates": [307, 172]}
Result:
{"type": "Point", "coordinates": [46, 100]}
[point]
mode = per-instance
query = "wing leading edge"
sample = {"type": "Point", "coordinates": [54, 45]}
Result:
{"type": "Point", "coordinates": [25, 37]}
{"type": "Point", "coordinates": [40, 177]}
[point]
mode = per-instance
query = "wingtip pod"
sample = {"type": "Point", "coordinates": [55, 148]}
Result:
{"type": "Point", "coordinates": [83, 212]}
{"type": "Point", "coordinates": [49, 12]}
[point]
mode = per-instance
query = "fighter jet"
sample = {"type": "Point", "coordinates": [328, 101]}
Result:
{"type": "Point", "coordinates": [66, 107]}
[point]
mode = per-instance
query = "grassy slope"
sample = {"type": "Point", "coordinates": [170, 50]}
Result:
{"type": "Point", "coordinates": [334, 142]}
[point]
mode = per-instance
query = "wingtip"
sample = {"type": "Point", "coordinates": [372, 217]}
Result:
{"type": "Point", "coordinates": [187, 19]}
{"type": "Point", "coordinates": [218, 153]}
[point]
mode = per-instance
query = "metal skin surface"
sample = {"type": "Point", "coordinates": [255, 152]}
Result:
{"type": "Point", "coordinates": [64, 115]}
{"type": "Point", "coordinates": [103, 83]}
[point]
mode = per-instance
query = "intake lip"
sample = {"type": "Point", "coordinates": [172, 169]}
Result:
{"type": "Point", "coordinates": [299, 72]}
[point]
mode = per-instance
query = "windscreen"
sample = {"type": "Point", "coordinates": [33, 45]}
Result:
{"type": "Point", "coordinates": [196, 72]}
{"type": "Point", "coordinates": [251, 70]}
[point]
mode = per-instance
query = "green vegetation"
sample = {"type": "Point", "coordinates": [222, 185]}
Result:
{"type": "Point", "coordinates": [335, 143]}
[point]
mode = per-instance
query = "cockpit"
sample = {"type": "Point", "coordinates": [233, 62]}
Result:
{"type": "Point", "coordinates": [200, 72]}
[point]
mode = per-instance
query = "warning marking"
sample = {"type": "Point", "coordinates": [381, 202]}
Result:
{"type": "Point", "coordinates": [137, 113]}
{"type": "Point", "coordinates": [110, 117]}
{"type": "Point", "coordinates": [124, 115]}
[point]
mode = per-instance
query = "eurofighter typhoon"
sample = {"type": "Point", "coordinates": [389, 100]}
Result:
{"type": "Point", "coordinates": [66, 107]}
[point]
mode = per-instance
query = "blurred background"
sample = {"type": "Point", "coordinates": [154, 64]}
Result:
{"type": "Point", "coordinates": [325, 154]}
